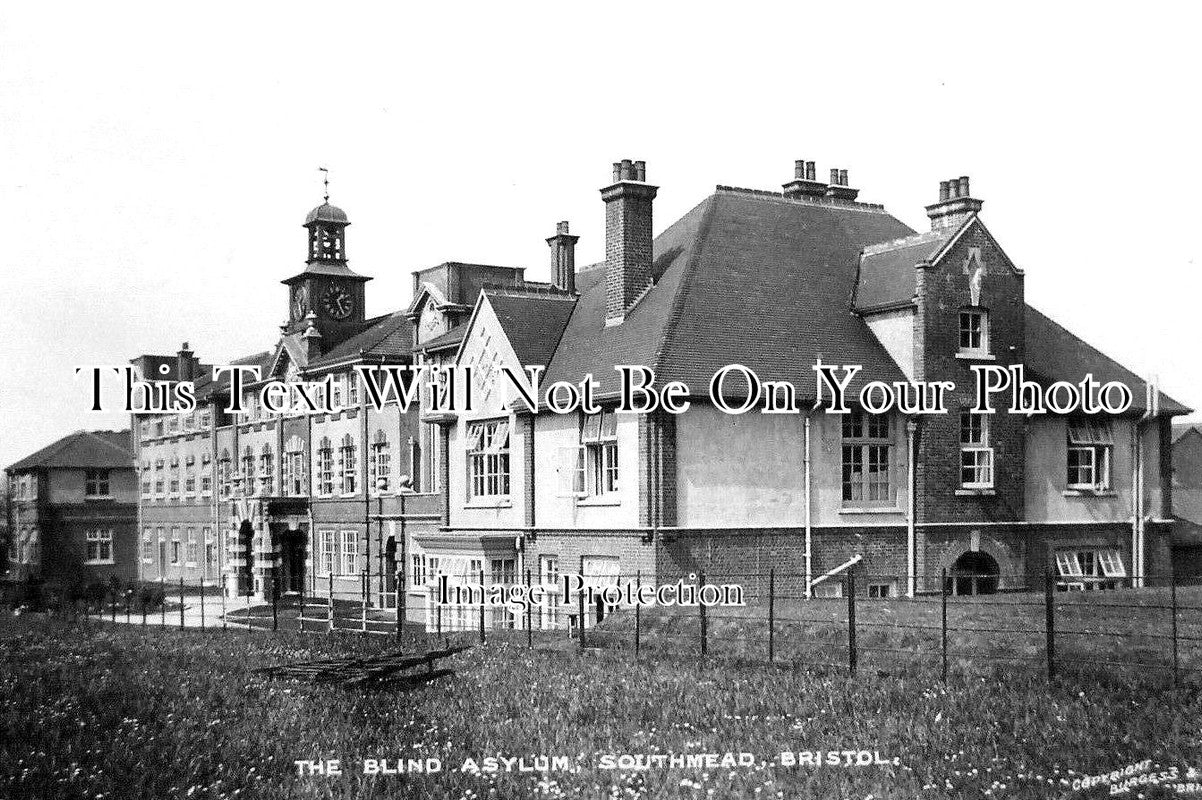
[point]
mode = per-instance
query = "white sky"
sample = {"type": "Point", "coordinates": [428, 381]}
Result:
{"type": "Point", "coordinates": [158, 160]}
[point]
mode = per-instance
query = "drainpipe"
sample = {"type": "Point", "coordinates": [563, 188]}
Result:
{"type": "Point", "coordinates": [911, 505]}
{"type": "Point", "coordinates": [1151, 401]}
{"type": "Point", "coordinates": [809, 506]}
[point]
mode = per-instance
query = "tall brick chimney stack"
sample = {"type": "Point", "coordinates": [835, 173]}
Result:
{"type": "Point", "coordinates": [839, 190]}
{"type": "Point", "coordinates": [183, 364]}
{"type": "Point", "coordinates": [628, 253]}
{"type": "Point", "coordinates": [955, 204]}
{"type": "Point", "coordinates": [804, 183]}
{"type": "Point", "coordinates": [563, 258]}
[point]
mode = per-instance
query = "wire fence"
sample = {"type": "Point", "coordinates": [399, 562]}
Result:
{"type": "Point", "coordinates": [850, 622]}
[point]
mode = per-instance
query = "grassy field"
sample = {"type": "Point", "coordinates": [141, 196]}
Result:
{"type": "Point", "coordinates": [119, 712]}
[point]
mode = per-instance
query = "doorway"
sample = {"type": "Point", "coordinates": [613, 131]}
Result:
{"type": "Point", "coordinates": [973, 573]}
{"type": "Point", "coordinates": [390, 582]}
{"type": "Point", "coordinates": [292, 562]}
{"type": "Point", "coordinates": [246, 576]}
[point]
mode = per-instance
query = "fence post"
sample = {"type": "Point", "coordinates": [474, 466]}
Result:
{"type": "Point", "coordinates": [1173, 603]}
{"type": "Point", "coordinates": [704, 630]}
{"type": "Point", "coordinates": [638, 584]}
{"type": "Point", "coordinates": [275, 602]}
{"type": "Point", "coordinates": [113, 608]}
{"type": "Point", "coordinates": [482, 593]}
{"type": "Point", "coordinates": [223, 622]}
{"type": "Point", "coordinates": [363, 599]}
{"type": "Point", "coordinates": [1050, 622]}
{"type": "Point", "coordinates": [771, 615]}
{"type": "Point", "coordinates": [330, 629]}
{"type": "Point", "coordinates": [202, 604]}
{"type": "Point", "coordinates": [529, 630]}
{"type": "Point", "coordinates": [943, 623]}
{"type": "Point", "coordinates": [400, 609]}
{"type": "Point", "coordinates": [163, 591]}
{"type": "Point", "coordinates": [580, 617]}
{"type": "Point", "coordinates": [128, 592]}
{"type": "Point", "coordinates": [300, 620]}
{"type": "Point", "coordinates": [144, 604]}
{"type": "Point", "coordinates": [181, 602]}
{"type": "Point", "coordinates": [850, 582]}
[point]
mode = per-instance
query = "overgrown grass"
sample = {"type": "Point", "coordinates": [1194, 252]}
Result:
{"type": "Point", "coordinates": [116, 712]}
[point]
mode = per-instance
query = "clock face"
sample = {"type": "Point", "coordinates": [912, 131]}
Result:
{"type": "Point", "coordinates": [300, 303]}
{"type": "Point", "coordinates": [338, 302]}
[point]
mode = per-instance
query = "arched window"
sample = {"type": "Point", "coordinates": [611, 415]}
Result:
{"type": "Point", "coordinates": [294, 467]}
{"type": "Point", "coordinates": [266, 471]}
{"type": "Point", "coordinates": [346, 464]}
{"type": "Point", "coordinates": [325, 467]}
{"type": "Point", "coordinates": [381, 463]}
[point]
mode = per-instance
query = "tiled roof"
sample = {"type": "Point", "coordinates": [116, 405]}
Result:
{"type": "Point", "coordinates": [1187, 505]}
{"type": "Point", "coordinates": [533, 323]}
{"type": "Point", "coordinates": [390, 335]}
{"type": "Point", "coordinates": [210, 387]}
{"type": "Point", "coordinates": [745, 277]}
{"type": "Point", "coordinates": [1053, 353]}
{"type": "Point", "coordinates": [82, 450]}
{"type": "Point", "coordinates": [886, 275]}
{"type": "Point", "coordinates": [1182, 428]}
{"type": "Point", "coordinates": [451, 338]}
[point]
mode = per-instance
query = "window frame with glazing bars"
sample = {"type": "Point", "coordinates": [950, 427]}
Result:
{"type": "Point", "coordinates": [488, 459]}
{"type": "Point", "coordinates": [866, 441]}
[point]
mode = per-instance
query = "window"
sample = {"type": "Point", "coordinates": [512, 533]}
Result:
{"type": "Point", "coordinates": [419, 569]}
{"type": "Point", "coordinates": [146, 488]}
{"type": "Point", "coordinates": [210, 553]}
{"type": "Point", "coordinates": [190, 478]}
{"type": "Point", "coordinates": [96, 483]}
{"type": "Point", "coordinates": [350, 553]}
{"type": "Point", "coordinates": [432, 483]}
{"type": "Point", "coordinates": [504, 570]}
{"type": "Point", "coordinates": [488, 458]}
{"type": "Point", "coordinates": [974, 331]}
{"type": "Point", "coordinates": [193, 547]}
{"type": "Point", "coordinates": [346, 464]}
{"type": "Point", "coordinates": [976, 456]}
{"type": "Point", "coordinates": [266, 471]}
{"type": "Point", "coordinates": [866, 457]}
{"type": "Point", "coordinates": [381, 469]}
{"type": "Point", "coordinates": [326, 552]}
{"type": "Point", "coordinates": [325, 467]}
{"type": "Point", "coordinates": [1088, 570]}
{"type": "Point", "coordinates": [175, 546]}
{"type": "Point", "coordinates": [294, 467]}
{"type": "Point", "coordinates": [248, 471]}
{"type": "Point", "coordinates": [829, 588]}
{"type": "Point", "coordinates": [100, 547]}
{"type": "Point", "coordinates": [223, 473]}
{"type": "Point", "coordinates": [147, 546]}
{"type": "Point", "coordinates": [880, 591]}
{"type": "Point", "coordinates": [206, 485]}
{"type": "Point", "coordinates": [352, 390]}
{"type": "Point", "coordinates": [205, 420]}
{"type": "Point", "coordinates": [548, 571]}
{"type": "Point", "coordinates": [1090, 451]}
{"type": "Point", "coordinates": [600, 439]}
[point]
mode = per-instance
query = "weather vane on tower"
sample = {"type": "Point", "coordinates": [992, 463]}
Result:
{"type": "Point", "coordinates": [325, 181]}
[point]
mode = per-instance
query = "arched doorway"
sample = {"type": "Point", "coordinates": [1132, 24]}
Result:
{"type": "Point", "coordinates": [973, 573]}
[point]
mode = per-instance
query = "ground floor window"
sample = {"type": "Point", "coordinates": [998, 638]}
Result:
{"type": "Point", "coordinates": [326, 552]}
{"type": "Point", "coordinates": [881, 590]}
{"type": "Point", "coordinates": [100, 547]}
{"type": "Point", "coordinates": [973, 573]}
{"type": "Point", "coordinates": [828, 589]}
{"type": "Point", "coordinates": [1089, 569]}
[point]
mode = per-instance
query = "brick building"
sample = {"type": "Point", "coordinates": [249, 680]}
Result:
{"type": "Point", "coordinates": [72, 511]}
{"type": "Point", "coordinates": [1187, 502]}
{"type": "Point", "coordinates": [777, 281]}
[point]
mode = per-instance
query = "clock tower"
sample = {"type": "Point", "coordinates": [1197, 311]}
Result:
{"type": "Point", "coordinates": [328, 287]}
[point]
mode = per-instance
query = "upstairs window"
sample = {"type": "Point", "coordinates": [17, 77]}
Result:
{"type": "Point", "coordinates": [325, 467]}
{"type": "Point", "coordinates": [1090, 452]}
{"type": "Point", "coordinates": [248, 470]}
{"type": "Point", "coordinates": [488, 458]}
{"type": "Point", "coordinates": [866, 460]}
{"type": "Point", "coordinates": [266, 471]}
{"type": "Point", "coordinates": [974, 331]}
{"type": "Point", "coordinates": [96, 483]}
{"type": "Point", "coordinates": [976, 455]}
{"type": "Point", "coordinates": [347, 465]}
{"type": "Point", "coordinates": [600, 440]}
{"type": "Point", "coordinates": [294, 467]}
{"type": "Point", "coordinates": [381, 463]}
{"type": "Point", "coordinates": [223, 473]}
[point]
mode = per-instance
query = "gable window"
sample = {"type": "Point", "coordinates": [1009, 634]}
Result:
{"type": "Point", "coordinates": [266, 471]}
{"type": "Point", "coordinates": [346, 464]}
{"type": "Point", "coordinates": [380, 463]}
{"type": "Point", "coordinates": [488, 458]}
{"type": "Point", "coordinates": [974, 331]}
{"type": "Point", "coordinates": [1090, 452]}
{"type": "Point", "coordinates": [600, 439]}
{"type": "Point", "coordinates": [294, 467]}
{"type": "Point", "coordinates": [1089, 570]}
{"type": "Point", "coordinates": [325, 467]}
{"type": "Point", "coordinates": [976, 456]}
{"type": "Point", "coordinates": [96, 483]}
{"type": "Point", "coordinates": [100, 547]}
{"type": "Point", "coordinates": [866, 459]}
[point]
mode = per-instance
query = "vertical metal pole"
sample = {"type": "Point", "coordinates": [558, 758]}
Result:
{"type": "Point", "coordinates": [275, 603]}
{"type": "Point", "coordinates": [163, 592]}
{"type": "Point", "coordinates": [638, 584]}
{"type": "Point", "coordinates": [363, 579]}
{"type": "Point", "coordinates": [704, 631]}
{"type": "Point", "coordinates": [113, 606]}
{"type": "Point", "coordinates": [851, 620]}
{"type": "Point", "coordinates": [181, 602]}
{"type": "Point", "coordinates": [300, 620]}
{"type": "Point", "coordinates": [1173, 602]}
{"type": "Point", "coordinates": [943, 623]}
{"type": "Point", "coordinates": [1049, 623]}
{"type": "Point", "coordinates": [529, 630]}
{"type": "Point", "coordinates": [330, 629]}
{"type": "Point", "coordinates": [771, 615]}
{"type": "Point", "coordinates": [223, 621]}
{"type": "Point", "coordinates": [202, 603]}
{"type": "Point", "coordinates": [580, 617]}
{"type": "Point", "coordinates": [482, 605]}
{"type": "Point", "coordinates": [400, 609]}
{"type": "Point", "coordinates": [127, 595]}
{"type": "Point", "coordinates": [144, 604]}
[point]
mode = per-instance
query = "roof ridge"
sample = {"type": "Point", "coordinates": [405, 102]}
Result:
{"type": "Point", "coordinates": [905, 241]}
{"type": "Point", "coordinates": [107, 443]}
{"type": "Point", "coordinates": [819, 202]}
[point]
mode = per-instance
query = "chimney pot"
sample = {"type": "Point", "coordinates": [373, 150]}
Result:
{"type": "Point", "coordinates": [563, 257]}
{"type": "Point", "coordinates": [628, 240]}
{"type": "Point", "coordinates": [842, 177]}
{"type": "Point", "coordinates": [834, 177]}
{"type": "Point", "coordinates": [811, 172]}
{"type": "Point", "coordinates": [955, 206]}
{"type": "Point", "coordinates": [964, 186]}
{"type": "Point", "coordinates": [799, 170]}
{"type": "Point", "coordinates": [944, 191]}
{"type": "Point", "coordinates": [617, 171]}
{"type": "Point", "coordinates": [627, 169]}
{"type": "Point", "coordinates": [640, 171]}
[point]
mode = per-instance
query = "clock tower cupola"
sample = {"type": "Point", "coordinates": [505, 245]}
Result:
{"type": "Point", "coordinates": [327, 290]}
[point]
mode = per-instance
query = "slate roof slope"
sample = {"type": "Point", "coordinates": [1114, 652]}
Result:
{"type": "Point", "coordinates": [82, 450]}
{"type": "Point", "coordinates": [390, 335]}
{"type": "Point", "coordinates": [533, 323]}
{"type": "Point", "coordinates": [211, 387]}
{"type": "Point", "coordinates": [1053, 353]}
{"type": "Point", "coordinates": [745, 277]}
{"type": "Point", "coordinates": [886, 274]}
{"type": "Point", "coordinates": [451, 338]}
